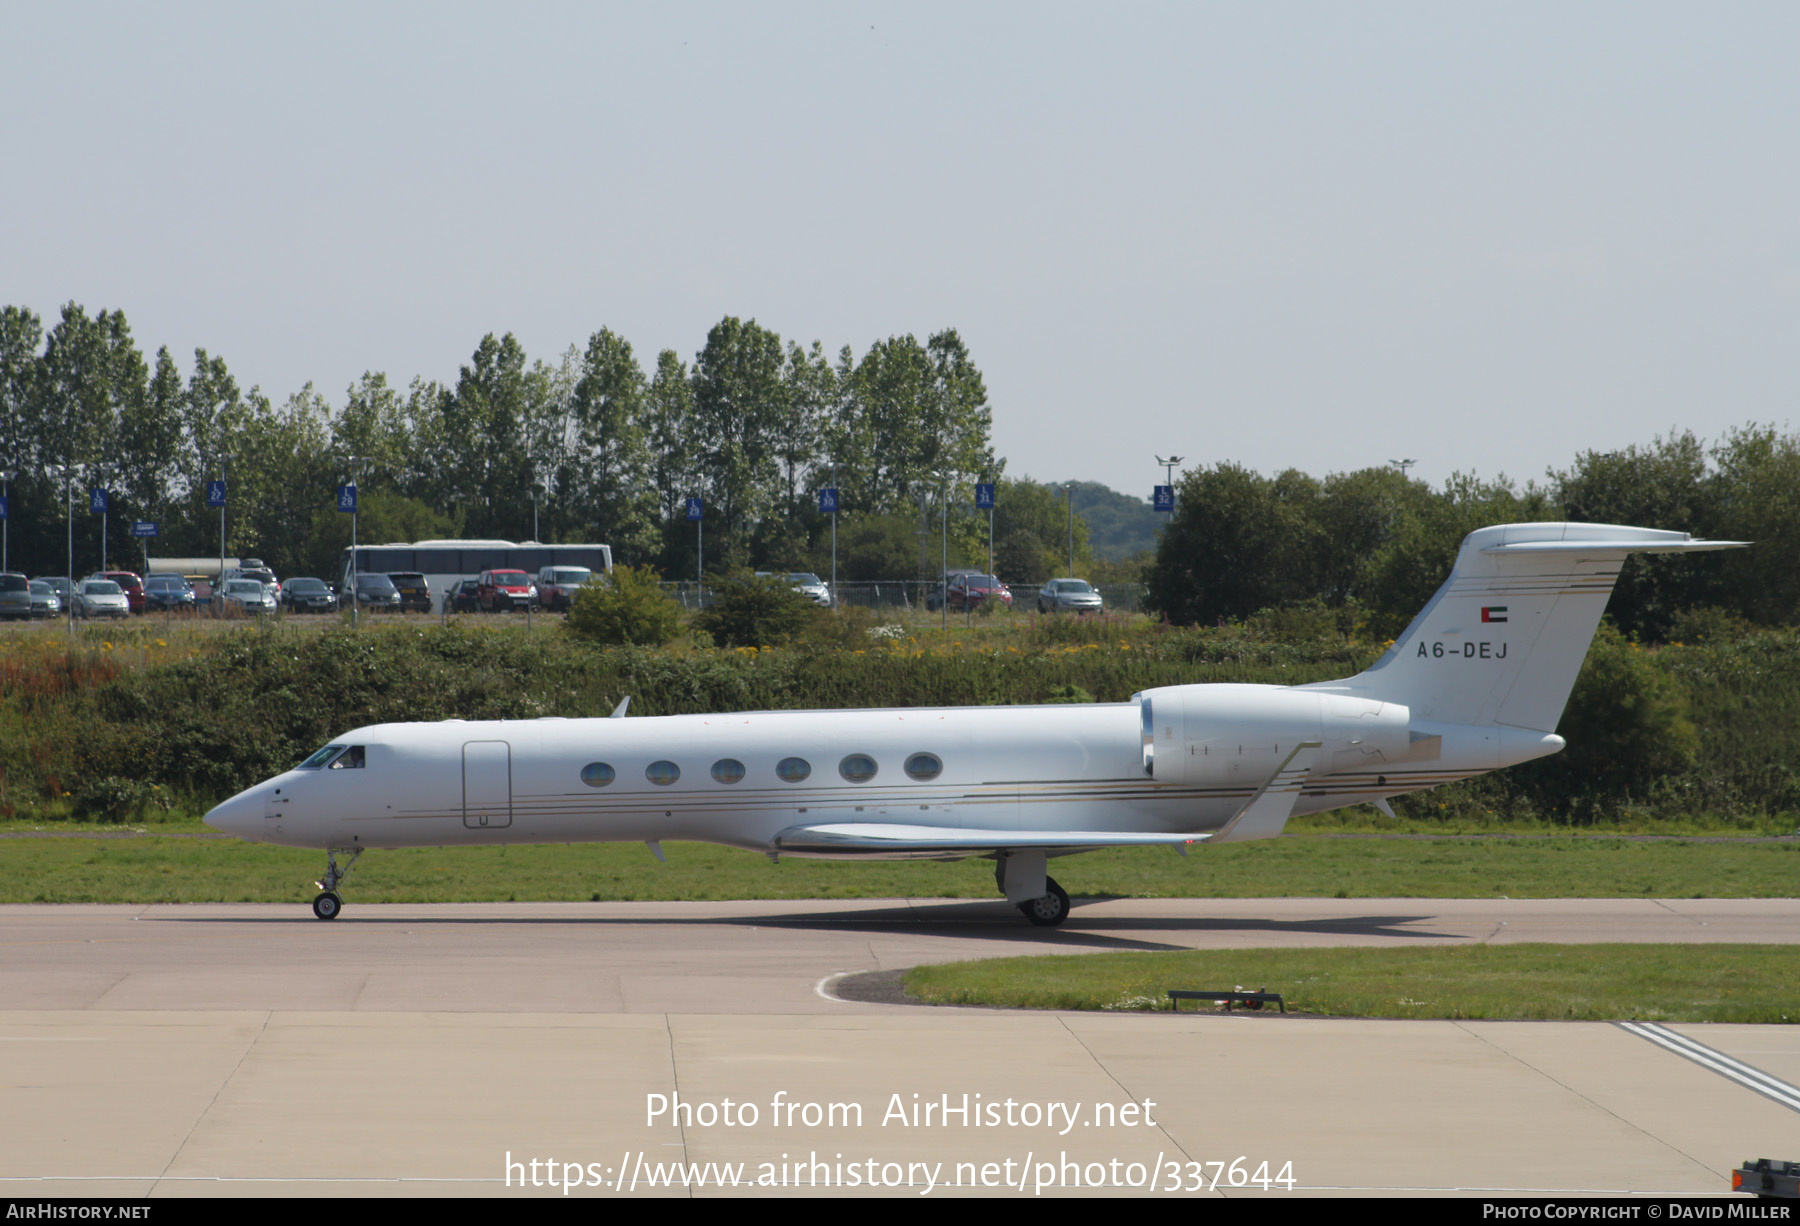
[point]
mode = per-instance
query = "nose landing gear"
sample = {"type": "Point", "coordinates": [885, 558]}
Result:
{"type": "Point", "coordinates": [327, 904]}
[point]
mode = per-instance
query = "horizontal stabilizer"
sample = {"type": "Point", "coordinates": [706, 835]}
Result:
{"type": "Point", "coordinates": [896, 841]}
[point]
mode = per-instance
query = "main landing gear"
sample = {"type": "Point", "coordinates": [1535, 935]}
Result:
{"type": "Point", "coordinates": [327, 904]}
{"type": "Point", "coordinates": [1050, 910]}
{"type": "Point", "coordinates": [1021, 877]}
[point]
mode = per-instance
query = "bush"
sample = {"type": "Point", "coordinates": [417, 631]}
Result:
{"type": "Point", "coordinates": [630, 609]}
{"type": "Point", "coordinates": [755, 611]}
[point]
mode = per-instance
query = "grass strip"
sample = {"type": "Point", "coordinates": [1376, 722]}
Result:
{"type": "Point", "coordinates": [1662, 983]}
{"type": "Point", "coordinates": [162, 869]}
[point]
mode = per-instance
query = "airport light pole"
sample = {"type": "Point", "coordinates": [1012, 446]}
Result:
{"type": "Point", "coordinates": [1403, 465]}
{"type": "Point", "coordinates": [6, 479]}
{"type": "Point", "coordinates": [68, 476]}
{"type": "Point", "coordinates": [356, 468]}
{"type": "Point", "coordinates": [1169, 463]}
{"type": "Point", "coordinates": [1069, 497]}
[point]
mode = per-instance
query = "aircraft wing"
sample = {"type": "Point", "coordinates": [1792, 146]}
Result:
{"type": "Point", "coordinates": [897, 841]}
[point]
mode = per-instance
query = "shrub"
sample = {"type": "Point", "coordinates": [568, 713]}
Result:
{"type": "Point", "coordinates": [755, 611]}
{"type": "Point", "coordinates": [628, 610]}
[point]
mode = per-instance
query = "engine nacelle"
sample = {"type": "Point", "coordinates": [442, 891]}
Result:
{"type": "Point", "coordinates": [1214, 735]}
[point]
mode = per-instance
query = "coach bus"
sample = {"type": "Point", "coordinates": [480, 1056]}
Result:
{"type": "Point", "coordinates": [447, 563]}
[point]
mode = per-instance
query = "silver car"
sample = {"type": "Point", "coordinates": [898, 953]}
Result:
{"type": "Point", "coordinates": [812, 587]}
{"type": "Point", "coordinates": [249, 595]}
{"type": "Point", "coordinates": [1069, 596]}
{"type": "Point", "coordinates": [101, 598]}
{"type": "Point", "coordinates": [44, 600]}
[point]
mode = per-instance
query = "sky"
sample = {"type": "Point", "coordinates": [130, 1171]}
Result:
{"type": "Point", "coordinates": [1484, 237]}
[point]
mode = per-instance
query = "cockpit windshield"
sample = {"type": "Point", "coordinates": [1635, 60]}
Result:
{"type": "Point", "coordinates": [321, 758]}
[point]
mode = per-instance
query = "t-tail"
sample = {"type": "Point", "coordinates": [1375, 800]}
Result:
{"type": "Point", "coordinates": [1502, 641]}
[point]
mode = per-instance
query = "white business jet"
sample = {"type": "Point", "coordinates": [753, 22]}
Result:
{"type": "Point", "coordinates": [1475, 683]}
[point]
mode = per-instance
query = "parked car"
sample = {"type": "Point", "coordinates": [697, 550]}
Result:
{"type": "Point", "coordinates": [248, 596]}
{"type": "Point", "coordinates": [101, 598]}
{"type": "Point", "coordinates": [164, 593]}
{"type": "Point", "coordinates": [254, 569]}
{"type": "Point", "coordinates": [1069, 596]}
{"type": "Point", "coordinates": [415, 593]}
{"type": "Point", "coordinates": [129, 583]}
{"type": "Point", "coordinates": [556, 585]}
{"type": "Point", "coordinates": [505, 590]}
{"type": "Point", "coordinates": [308, 596]}
{"type": "Point", "coordinates": [65, 591]}
{"type": "Point", "coordinates": [465, 597]}
{"type": "Point", "coordinates": [44, 600]}
{"type": "Point", "coordinates": [15, 595]}
{"type": "Point", "coordinates": [812, 587]}
{"type": "Point", "coordinates": [377, 593]}
{"type": "Point", "coordinates": [966, 590]}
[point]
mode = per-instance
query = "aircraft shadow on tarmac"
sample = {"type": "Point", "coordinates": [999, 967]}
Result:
{"type": "Point", "coordinates": [976, 920]}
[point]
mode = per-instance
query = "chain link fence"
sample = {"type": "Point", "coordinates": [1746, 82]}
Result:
{"type": "Point", "coordinates": [916, 594]}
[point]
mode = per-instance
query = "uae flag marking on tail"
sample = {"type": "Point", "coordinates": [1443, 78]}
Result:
{"type": "Point", "coordinates": [1493, 613]}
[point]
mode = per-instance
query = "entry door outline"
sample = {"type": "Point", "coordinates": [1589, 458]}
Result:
{"type": "Point", "coordinates": [487, 784]}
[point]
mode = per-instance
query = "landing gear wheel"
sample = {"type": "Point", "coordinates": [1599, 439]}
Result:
{"type": "Point", "coordinates": [326, 904]}
{"type": "Point", "coordinates": [1050, 910]}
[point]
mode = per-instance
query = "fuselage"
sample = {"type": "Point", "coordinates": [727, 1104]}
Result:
{"type": "Point", "coordinates": [741, 779]}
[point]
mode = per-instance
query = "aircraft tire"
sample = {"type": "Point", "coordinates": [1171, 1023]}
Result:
{"type": "Point", "coordinates": [1050, 910]}
{"type": "Point", "coordinates": [326, 905]}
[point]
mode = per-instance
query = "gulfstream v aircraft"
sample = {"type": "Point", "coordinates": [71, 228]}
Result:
{"type": "Point", "coordinates": [1475, 683]}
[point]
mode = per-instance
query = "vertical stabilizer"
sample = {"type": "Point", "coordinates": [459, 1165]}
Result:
{"type": "Point", "coordinates": [1503, 639]}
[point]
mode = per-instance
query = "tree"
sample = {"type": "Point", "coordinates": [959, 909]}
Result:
{"type": "Point", "coordinates": [1236, 543]}
{"type": "Point", "coordinates": [610, 478]}
{"type": "Point", "coordinates": [628, 609]}
{"type": "Point", "coordinates": [1663, 485]}
{"type": "Point", "coordinates": [755, 611]}
{"type": "Point", "coordinates": [1031, 533]}
{"type": "Point", "coordinates": [739, 403]}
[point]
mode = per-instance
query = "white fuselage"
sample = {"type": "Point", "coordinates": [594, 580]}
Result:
{"type": "Point", "coordinates": [1028, 769]}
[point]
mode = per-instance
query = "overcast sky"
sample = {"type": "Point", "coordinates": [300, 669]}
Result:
{"type": "Point", "coordinates": [1323, 236]}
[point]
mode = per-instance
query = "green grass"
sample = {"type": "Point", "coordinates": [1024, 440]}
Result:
{"type": "Point", "coordinates": [1664, 983]}
{"type": "Point", "coordinates": [158, 868]}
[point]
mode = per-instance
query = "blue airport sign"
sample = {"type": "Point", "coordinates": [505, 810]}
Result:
{"type": "Point", "coordinates": [693, 510]}
{"type": "Point", "coordinates": [347, 499]}
{"type": "Point", "coordinates": [215, 493]}
{"type": "Point", "coordinates": [984, 496]}
{"type": "Point", "coordinates": [1164, 498]}
{"type": "Point", "coordinates": [97, 502]}
{"type": "Point", "coordinates": [143, 527]}
{"type": "Point", "coordinates": [828, 501]}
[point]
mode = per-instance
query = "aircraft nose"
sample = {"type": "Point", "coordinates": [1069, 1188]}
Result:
{"type": "Point", "coordinates": [241, 815]}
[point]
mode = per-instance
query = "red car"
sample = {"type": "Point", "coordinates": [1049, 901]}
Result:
{"type": "Point", "coordinates": [499, 590]}
{"type": "Point", "coordinates": [968, 590]}
{"type": "Point", "coordinates": [130, 584]}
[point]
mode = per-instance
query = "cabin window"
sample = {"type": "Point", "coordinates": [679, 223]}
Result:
{"type": "Point", "coordinates": [662, 773]}
{"type": "Point", "coordinates": [727, 770]}
{"type": "Point", "coordinates": [793, 770]}
{"type": "Point", "coordinates": [598, 774]}
{"type": "Point", "coordinates": [321, 758]}
{"type": "Point", "coordinates": [350, 760]}
{"type": "Point", "coordinates": [924, 766]}
{"type": "Point", "coordinates": [857, 768]}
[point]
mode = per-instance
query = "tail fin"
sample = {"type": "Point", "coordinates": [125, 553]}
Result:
{"type": "Point", "coordinates": [1503, 639]}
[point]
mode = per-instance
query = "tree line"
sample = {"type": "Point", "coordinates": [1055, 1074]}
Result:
{"type": "Point", "coordinates": [1373, 545]}
{"type": "Point", "coordinates": [595, 447]}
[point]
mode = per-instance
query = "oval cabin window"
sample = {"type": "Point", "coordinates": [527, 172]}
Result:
{"type": "Point", "coordinates": [923, 766]}
{"type": "Point", "coordinates": [857, 768]}
{"type": "Point", "coordinates": [793, 770]}
{"type": "Point", "coordinates": [727, 770]}
{"type": "Point", "coordinates": [598, 774]}
{"type": "Point", "coordinates": [662, 773]}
